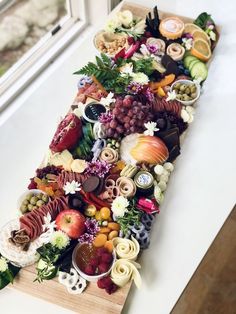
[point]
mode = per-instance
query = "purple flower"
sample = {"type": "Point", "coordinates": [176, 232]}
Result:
{"type": "Point", "coordinates": [149, 94]}
{"type": "Point", "coordinates": [134, 88]}
{"type": "Point", "coordinates": [86, 238]}
{"type": "Point", "coordinates": [99, 168]}
{"type": "Point", "coordinates": [187, 35]}
{"type": "Point", "coordinates": [106, 117]}
{"type": "Point", "coordinates": [92, 226]}
{"type": "Point", "coordinates": [152, 48]}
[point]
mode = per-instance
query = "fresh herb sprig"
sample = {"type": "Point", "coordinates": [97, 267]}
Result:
{"type": "Point", "coordinates": [131, 217]}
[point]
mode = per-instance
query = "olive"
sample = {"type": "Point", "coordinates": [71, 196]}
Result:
{"type": "Point", "coordinates": [40, 203]}
{"type": "Point", "coordinates": [193, 95]}
{"type": "Point", "coordinates": [186, 97]}
{"type": "Point", "coordinates": [23, 209]}
{"type": "Point", "coordinates": [178, 96]}
{"type": "Point", "coordinates": [35, 207]}
{"type": "Point", "coordinates": [183, 87]}
{"type": "Point", "coordinates": [25, 202]}
{"type": "Point", "coordinates": [30, 207]}
{"type": "Point", "coordinates": [187, 91]}
{"type": "Point", "coordinates": [45, 198]}
{"type": "Point", "coordinates": [40, 195]}
{"type": "Point", "coordinates": [33, 200]}
{"type": "Point", "coordinates": [193, 88]}
{"type": "Point", "coordinates": [28, 197]}
{"type": "Point", "coordinates": [177, 86]}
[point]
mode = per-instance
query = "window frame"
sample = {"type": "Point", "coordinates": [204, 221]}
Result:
{"type": "Point", "coordinates": [43, 52]}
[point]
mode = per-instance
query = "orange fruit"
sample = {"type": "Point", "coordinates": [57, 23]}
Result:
{"type": "Point", "coordinates": [100, 240]}
{"type": "Point", "coordinates": [201, 34]}
{"type": "Point", "coordinates": [190, 28]}
{"type": "Point", "coordinates": [104, 230]}
{"type": "Point", "coordinates": [105, 213]}
{"type": "Point", "coordinates": [109, 246]}
{"type": "Point", "coordinates": [114, 226]}
{"type": "Point", "coordinates": [98, 215]}
{"type": "Point", "coordinates": [201, 50]}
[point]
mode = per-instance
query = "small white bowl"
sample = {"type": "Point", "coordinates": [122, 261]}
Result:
{"type": "Point", "coordinates": [95, 42]}
{"type": "Point", "coordinates": [90, 278]}
{"type": "Point", "coordinates": [23, 196]}
{"type": "Point", "coordinates": [187, 82]}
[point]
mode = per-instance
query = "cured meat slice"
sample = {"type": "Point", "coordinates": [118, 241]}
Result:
{"type": "Point", "coordinates": [33, 221]}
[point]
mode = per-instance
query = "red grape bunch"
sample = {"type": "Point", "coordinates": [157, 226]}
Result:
{"type": "Point", "coordinates": [129, 115]}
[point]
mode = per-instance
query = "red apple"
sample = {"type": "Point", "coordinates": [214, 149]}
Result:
{"type": "Point", "coordinates": [71, 222]}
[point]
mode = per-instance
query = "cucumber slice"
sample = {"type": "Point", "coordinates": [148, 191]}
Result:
{"type": "Point", "coordinates": [188, 59]}
{"type": "Point", "coordinates": [199, 70]}
{"type": "Point", "coordinates": [192, 63]}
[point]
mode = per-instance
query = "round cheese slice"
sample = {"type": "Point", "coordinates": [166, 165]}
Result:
{"type": "Point", "coordinates": [171, 27]}
{"type": "Point", "coordinates": [15, 254]}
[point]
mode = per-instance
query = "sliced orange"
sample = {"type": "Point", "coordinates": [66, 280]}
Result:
{"type": "Point", "coordinates": [190, 28]}
{"type": "Point", "coordinates": [201, 49]}
{"type": "Point", "coordinates": [201, 34]}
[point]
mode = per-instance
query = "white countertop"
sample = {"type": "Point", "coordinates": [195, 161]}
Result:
{"type": "Point", "coordinates": [201, 192]}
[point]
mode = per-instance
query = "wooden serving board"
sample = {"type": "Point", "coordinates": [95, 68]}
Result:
{"type": "Point", "coordinates": [93, 297]}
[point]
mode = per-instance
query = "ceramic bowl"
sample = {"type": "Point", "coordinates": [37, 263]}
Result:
{"type": "Point", "coordinates": [23, 196]}
{"type": "Point", "coordinates": [187, 82]}
{"type": "Point", "coordinates": [90, 278]}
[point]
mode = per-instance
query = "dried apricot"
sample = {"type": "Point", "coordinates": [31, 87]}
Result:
{"type": "Point", "coordinates": [100, 240]}
{"type": "Point", "coordinates": [114, 226]}
{"type": "Point", "coordinates": [109, 246]}
{"type": "Point", "coordinates": [104, 230]}
{"type": "Point", "coordinates": [113, 234]}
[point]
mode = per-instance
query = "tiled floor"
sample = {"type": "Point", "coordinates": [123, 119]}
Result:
{"type": "Point", "coordinates": [212, 289]}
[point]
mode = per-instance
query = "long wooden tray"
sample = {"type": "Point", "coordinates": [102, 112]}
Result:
{"type": "Point", "coordinates": [92, 298]}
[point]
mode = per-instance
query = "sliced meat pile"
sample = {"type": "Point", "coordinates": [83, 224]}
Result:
{"type": "Point", "coordinates": [161, 104]}
{"type": "Point", "coordinates": [89, 90]}
{"type": "Point", "coordinates": [69, 176]}
{"type": "Point", "coordinates": [33, 221]}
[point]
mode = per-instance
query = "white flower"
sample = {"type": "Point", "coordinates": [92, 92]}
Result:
{"type": "Point", "coordinates": [139, 28]}
{"type": "Point", "coordinates": [119, 206]}
{"type": "Point", "coordinates": [188, 43]}
{"type": "Point", "coordinates": [48, 228]}
{"type": "Point", "coordinates": [107, 100]}
{"type": "Point", "coordinates": [143, 49]}
{"type": "Point", "coordinates": [127, 69]}
{"type": "Point", "coordinates": [151, 128]}
{"type": "Point", "coordinates": [60, 239]}
{"type": "Point", "coordinates": [112, 25]}
{"type": "Point", "coordinates": [171, 95]}
{"type": "Point", "coordinates": [140, 78]}
{"type": "Point", "coordinates": [71, 187]}
{"type": "Point", "coordinates": [125, 18]}
{"type": "Point", "coordinates": [3, 265]}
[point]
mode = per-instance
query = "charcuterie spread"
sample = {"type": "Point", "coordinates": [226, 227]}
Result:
{"type": "Point", "coordinates": [89, 208]}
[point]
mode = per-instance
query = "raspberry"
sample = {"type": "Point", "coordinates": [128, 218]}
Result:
{"type": "Point", "coordinates": [94, 261]}
{"type": "Point", "coordinates": [101, 251]}
{"type": "Point", "coordinates": [103, 267]}
{"type": "Point", "coordinates": [107, 258]}
{"type": "Point", "coordinates": [112, 288]}
{"type": "Point", "coordinates": [89, 270]}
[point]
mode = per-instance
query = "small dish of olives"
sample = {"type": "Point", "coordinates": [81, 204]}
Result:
{"type": "Point", "coordinates": [32, 199]}
{"type": "Point", "coordinates": [187, 92]}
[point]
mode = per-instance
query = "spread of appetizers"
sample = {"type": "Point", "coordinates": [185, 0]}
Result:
{"type": "Point", "coordinates": [90, 206]}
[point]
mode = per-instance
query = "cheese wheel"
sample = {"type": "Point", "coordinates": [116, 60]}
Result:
{"type": "Point", "coordinates": [171, 27]}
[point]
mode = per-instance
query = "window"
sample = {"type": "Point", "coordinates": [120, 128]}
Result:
{"type": "Point", "coordinates": [32, 33]}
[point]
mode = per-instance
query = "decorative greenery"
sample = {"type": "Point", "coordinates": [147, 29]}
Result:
{"type": "Point", "coordinates": [107, 72]}
{"type": "Point", "coordinates": [131, 217]}
{"type": "Point", "coordinates": [8, 275]}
